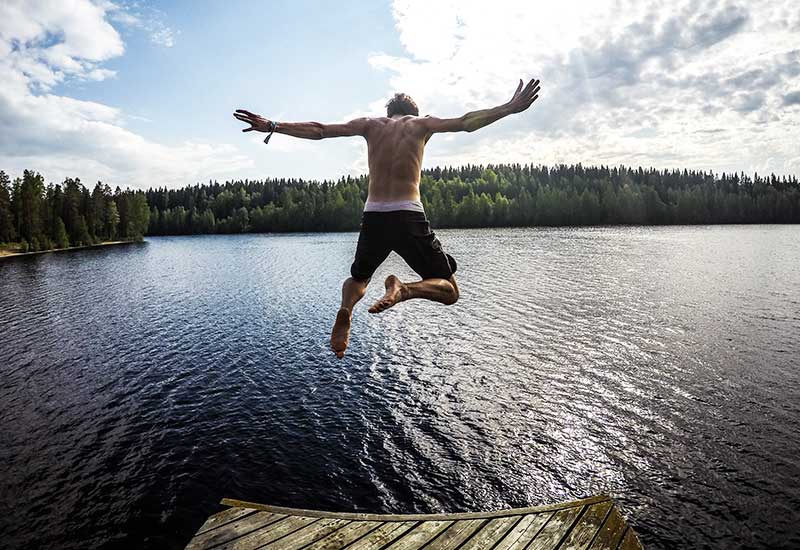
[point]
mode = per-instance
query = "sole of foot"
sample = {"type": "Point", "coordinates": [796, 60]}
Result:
{"type": "Point", "coordinates": [341, 332]}
{"type": "Point", "coordinates": [393, 295]}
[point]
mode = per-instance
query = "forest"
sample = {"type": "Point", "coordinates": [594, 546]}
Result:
{"type": "Point", "coordinates": [35, 216]}
{"type": "Point", "coordinates": [503, 195]}
{"type": "Point", "coordinates": [39, 217]}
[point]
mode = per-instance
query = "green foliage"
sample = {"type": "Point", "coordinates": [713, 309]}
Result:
{"type": "Point", "coordinates": [59, 216]}
{"type": "Point", "coordinates": [468, 196]}
{"type": "Point", "coordinates": [478, 196]}
{"type": "Point", "coordinates": [111, 220]}
{"type": "Point", "coordinates": [80, 233]}
{"type": "Point", "coordinates": [7, 232]}
{"type": "Point", "coordinates": [30, 208]}
{"type": "Point", "coordinates": [60, 237]}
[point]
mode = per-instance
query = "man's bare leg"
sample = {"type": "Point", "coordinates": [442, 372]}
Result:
{"type": "Point", "coordinates": [352, 291]}
{"type": "Point", "coordinates": [444, 291]}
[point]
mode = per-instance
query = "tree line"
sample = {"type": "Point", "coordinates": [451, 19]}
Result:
{"type": "Point", "coordinates": [43, 217]}
{"type": "Point", "coordinates": [40, 216]}
{"type": "Point", "coordinates": [484, 196]}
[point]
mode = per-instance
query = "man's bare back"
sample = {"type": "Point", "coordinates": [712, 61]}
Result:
{"type": "Point", "coordinates": [394, 150]}
{"type": "Point", "coordinates": [394, 219]}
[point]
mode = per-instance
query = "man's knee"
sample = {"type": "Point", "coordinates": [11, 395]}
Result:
{"type": "Point", "coordinates": [452, 296]}
{"type": "Point", "coordinates": [359, 285]}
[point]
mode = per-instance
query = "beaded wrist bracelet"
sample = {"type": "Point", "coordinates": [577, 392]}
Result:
{"type": "Point", "coordinates": [271, 130]}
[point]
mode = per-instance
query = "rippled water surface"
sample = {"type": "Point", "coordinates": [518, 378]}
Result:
{"type": "Point", "coordinates": [140, 384]}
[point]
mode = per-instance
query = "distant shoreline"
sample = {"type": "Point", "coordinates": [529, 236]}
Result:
{"type": "Point", "coordinates": [7, 254]}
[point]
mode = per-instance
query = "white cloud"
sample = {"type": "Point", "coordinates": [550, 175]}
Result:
{"type": "Point", "coordinates": [163, 37]}
{"type": "Point", "coordinates": [623, 81]}
{"type": "Point", "coordinates": [670, 84]}
{"type": "Point", "coordinates": [151, 20]}
{"type": "Point", "coordinates": [46, 41]}
{"type": "Point", "coordinates": [43, 43]}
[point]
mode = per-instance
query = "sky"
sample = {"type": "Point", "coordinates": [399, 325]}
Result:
{"type": "Point", "coordinates": [140, 94]}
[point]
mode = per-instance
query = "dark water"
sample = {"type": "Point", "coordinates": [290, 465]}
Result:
{"type": "Point", "coordinates": [141, 384]}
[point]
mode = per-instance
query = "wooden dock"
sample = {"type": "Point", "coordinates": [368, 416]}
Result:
{"type": "Point", "coordinates": [591, 524]}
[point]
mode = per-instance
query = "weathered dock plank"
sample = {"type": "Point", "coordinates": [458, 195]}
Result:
{"type": "Point", "coordinates": [630, 541]}
{"type": "Point", "coordinates": [456, 534]}
{"type": "Point", "coordinates": [383, 535]}
{"type": "Point", "coordinates": [524, 532]}
{"type": "Point", "coordinates": [261, 537]}
{"type": "Point", "coordinates": [226, 516]}
{"type": "Point", "coordinates": [420, 535]}
{"type": "Point", "coordinates": [308, 534]}
{"type": "Point", "coordinates": [492, 531]}
{"type": "Point", "coordinates": [555, 529]}
{"type": "Point", "coordinates": [611, 532]}
{"type": "Point", "coordinates": [346, 535]}
{"type": "Point", "coordinates": [589, 524]}
{"type": "Point", "coordinates": [233, 530]}
{"type": "Point", "coordinates": [582, 534]}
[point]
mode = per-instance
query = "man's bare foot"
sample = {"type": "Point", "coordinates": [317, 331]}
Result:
{"type": "Point", "coordinates": [395, 293]}
{"type": "Point", "coordinates": [341, 332]}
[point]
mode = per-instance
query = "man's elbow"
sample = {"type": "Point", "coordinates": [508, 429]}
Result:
{"type": "Point", "coordinates": [318, 131]}
{"type": "Point", "coordinates": [467, 125]}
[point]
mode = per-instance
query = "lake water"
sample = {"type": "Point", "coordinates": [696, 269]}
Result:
{"type": "Point", "coordinates": [140, 384]}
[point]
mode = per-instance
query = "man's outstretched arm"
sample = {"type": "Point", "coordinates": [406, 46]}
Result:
{"type": "Point", "coordinates": [306, 130]}
{"type": "Point", "coordinates": [522, 99]}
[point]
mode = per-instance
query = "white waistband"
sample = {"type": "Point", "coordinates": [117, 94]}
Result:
{"type": "Point", "coordinates": [391, 206]}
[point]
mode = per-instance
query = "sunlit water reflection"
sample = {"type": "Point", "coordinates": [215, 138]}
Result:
{"type": "Point", "coordinates": [140, 384]}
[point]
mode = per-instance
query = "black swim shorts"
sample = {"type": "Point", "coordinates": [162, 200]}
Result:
{"type": "Point", "coordinates": [407, 233]}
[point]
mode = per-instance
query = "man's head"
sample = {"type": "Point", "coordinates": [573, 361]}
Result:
{"type": "Point", "coordinates": [401, 104]}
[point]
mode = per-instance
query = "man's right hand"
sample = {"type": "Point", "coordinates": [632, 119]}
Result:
{"type": "Point", "coordinates": [524, 98]}
{"type": "Point", "coordinates": [256, 122]}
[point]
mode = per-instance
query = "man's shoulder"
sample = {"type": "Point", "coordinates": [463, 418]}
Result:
{"type": "Point", "coordinates": [383, 121]}
{"type": "Point", "coordinates": [403, 118]}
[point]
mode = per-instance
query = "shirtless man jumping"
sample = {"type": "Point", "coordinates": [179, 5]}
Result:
{"type": "Point", "coordinates": [393, 215]}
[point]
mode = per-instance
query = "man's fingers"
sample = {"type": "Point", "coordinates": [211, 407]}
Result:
{"type": "Point", "coordinates": [531, 85]}
{"type": "Point", "coordinates": [533, 91]}
{"type": "Point", "coordinates": [248, 129]}
{"type": "Point", "coordinates": [518, 88]}
{"type": "Point", "coordinates": [248, 113]}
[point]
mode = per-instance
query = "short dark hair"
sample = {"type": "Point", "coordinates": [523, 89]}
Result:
{"type": "Point", "coordinates": [401, 104]}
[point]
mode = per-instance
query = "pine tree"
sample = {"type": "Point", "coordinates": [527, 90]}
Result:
{"type": "Point", "coordinates": [32, 203]}
{"type": "Point", "coordinates": [60, 237]}
{"type": "Point", "coordinates": [111, 219]}
{"type": "Point", "coordinates": [7, 232]}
